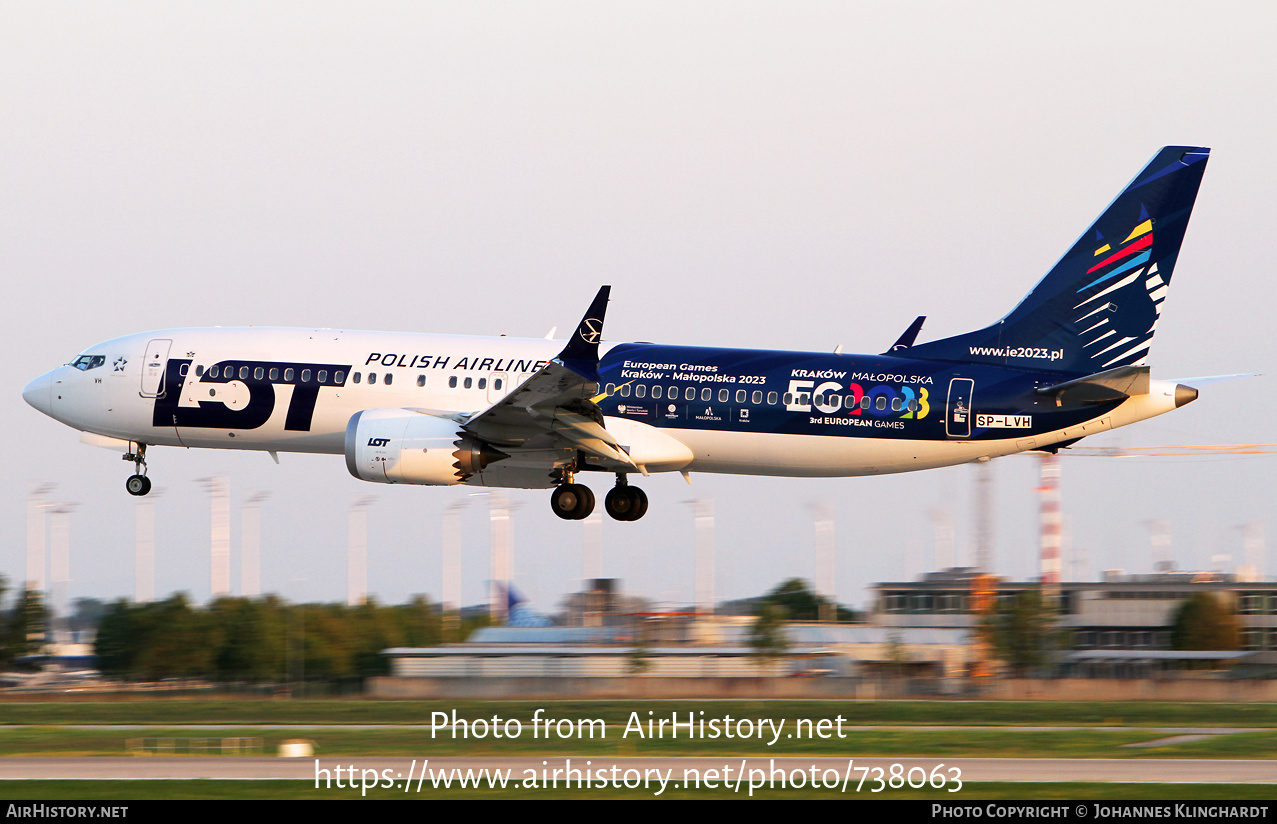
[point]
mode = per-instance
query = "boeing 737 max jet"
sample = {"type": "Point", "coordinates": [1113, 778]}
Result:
{"type": "Point", "coordinates": [1067, 362]}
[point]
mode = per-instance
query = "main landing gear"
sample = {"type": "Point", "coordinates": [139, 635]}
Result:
{"type": "Point", "coordinates": [574, 502]}
{"type": "Point", "coordinates": [138, 483]}
{"type": "Point", "coordinates": [625, 502]}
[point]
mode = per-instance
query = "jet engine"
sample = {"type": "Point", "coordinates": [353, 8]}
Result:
{"type": "Point", "coordinates": [403, 446]}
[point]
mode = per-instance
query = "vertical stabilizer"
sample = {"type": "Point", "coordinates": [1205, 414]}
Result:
{"type": "Point", "coordinates": [1099, 306]}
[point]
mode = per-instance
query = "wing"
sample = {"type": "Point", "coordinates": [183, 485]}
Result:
{"type": "Point", "coordinates": [556, 408]}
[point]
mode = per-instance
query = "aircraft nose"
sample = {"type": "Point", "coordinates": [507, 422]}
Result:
{"type": "Point", "coordinates": [39, 393]}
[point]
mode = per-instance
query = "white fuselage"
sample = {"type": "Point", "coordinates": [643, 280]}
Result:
{"type": "Point", "coordinates": [115, 401]}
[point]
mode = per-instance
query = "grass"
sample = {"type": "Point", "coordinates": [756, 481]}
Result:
{"type": "Point", "coordinates": [854, 713]}
{"type": "Point", "coordinates": [43, 728]}
{"type": "Point", "coordinates": [126, 791]}
{"type": "Point", "coordinates": [410, 743]}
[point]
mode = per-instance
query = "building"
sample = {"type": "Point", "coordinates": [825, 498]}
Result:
{"type": "Point", "coordinates": [1118, 626]}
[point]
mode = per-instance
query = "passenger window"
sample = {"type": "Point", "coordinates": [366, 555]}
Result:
{"type": "Point", "coordinates": [323, 376]}
{"type": "Point", "coordinates": [452, 382]}
{"type": "Point", "coordinates": [421, 380]}
{"type": "Point", "coordinates": [483, 383]}
{"type": "Point", "coordinates": [372, 378]}
{"type": "Point", "coordinates": [388, 379]}
{"type": "Point", "coordinates": [772, 398]}
{"type": "Point", "coordinates": [288, 374]}
{"type": "Point", "coordinates": [690, 394]}
{"type": "Point", "coordinates": [707, 393]}
{"type": "Point", "coordinates": [640, 390]}
{"type": "Point", "coordinates": [469, 382]}
{"type": "Point", "coordinates": [740, 395]}
{"type": "Point", "coordinates": [243, 373]}
{"type": "Point", "coordinates": [757, 397]}
{"type": "Point", "coordinates": [866, 403]}
{"type": "Point", "coordinates": [305, 376]}
{"type": "Point", "coordinates": [182, 369]}
{"type": "Point", "coordinates": [610, 389]}
{"type": "Point", "coordinates": [804, 399]}
{"type": "Point", "coordinates": [199, 371]}
{"type": "Point", "coordinates": [357, 377]}
{"type": "Point", "coordinates": [724, 395]}
{"type": "Point", "coordinates": [656, 391]}
{"type": "Point", "coordinates": [820, 400]}
{"type": "Point", "coordinates": [895, 404]}
{"type": "Point", "coordinates": [259, 373]}
{"type": "Point", "coordinates": [496, 384]}
{"type": "Point", "coordinates": [274, 373]}
{"type": "Point", "coordinates": [913, 405]}
{"type": "Point", "coordinates": [835, 401]}
{"type": "Point", "coordinates": [882, 402]}
{"type": "Point", "coordinates": [339, 378]}
{"type": "Point", "coordinates": [789, 399]}
{"type": "Point", "coordinates": [625, 391]}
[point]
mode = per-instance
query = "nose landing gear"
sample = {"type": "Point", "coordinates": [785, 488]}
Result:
{"type": "Point", "coordinates": [138, 483]}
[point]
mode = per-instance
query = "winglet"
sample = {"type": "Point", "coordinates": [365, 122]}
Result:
{"type": "Point", "coordinates": [909, 336]}
{"type": "Point", "coordinates": [581, 355]}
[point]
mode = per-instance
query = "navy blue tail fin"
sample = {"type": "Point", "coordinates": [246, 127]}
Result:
{"type": "Point", "coordinates": [1098, 307]}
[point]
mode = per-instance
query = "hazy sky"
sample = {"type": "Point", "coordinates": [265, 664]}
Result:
{"type": "Point", "coordinates": [744, 174]}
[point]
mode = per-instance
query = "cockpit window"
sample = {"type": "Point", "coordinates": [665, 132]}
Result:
{"type": "Point", "coordinates": [86, 362]}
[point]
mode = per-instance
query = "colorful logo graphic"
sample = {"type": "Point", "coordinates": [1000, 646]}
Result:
{"type": "Point", "coordinates": [1118, 319]}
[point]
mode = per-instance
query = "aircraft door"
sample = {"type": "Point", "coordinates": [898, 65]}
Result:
{"type": "Point", "coordinates": [154, 362]}
{"type": "Point", "coordinates": [498, 386]}
{"type": "Point", "coordinates": [957, 421]}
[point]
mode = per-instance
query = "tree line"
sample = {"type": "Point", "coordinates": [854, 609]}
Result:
{"type": "Point", "coordinates": [22, 625]}
{"type": "Point", "coordinates": [261, 640]}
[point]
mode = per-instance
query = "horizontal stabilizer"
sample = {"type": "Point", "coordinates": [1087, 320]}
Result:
{"type": "Point", "coordinates": [1109, 385]}
{"type": "Point", "coordinates": [1209, 379]}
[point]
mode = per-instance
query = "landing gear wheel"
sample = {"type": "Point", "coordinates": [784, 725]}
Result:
{"type": "Point", "coordinates": [626, 503]}
{"type": "Point", "coordinates": [618, 503]}
{"type": "Point", "coordinates": [138, 485]}
{"type": "Point", "coordinates": [587, 502]}
{"type": "Point", "coordinates": [572, 502]}
{"type": "Point", "coordinates": [640, 503]}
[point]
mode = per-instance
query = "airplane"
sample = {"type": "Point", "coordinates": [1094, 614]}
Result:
{"type": "Point", "coordinates": [1069, 361]}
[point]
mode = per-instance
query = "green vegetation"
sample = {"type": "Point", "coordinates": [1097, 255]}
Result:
{"type": "Point", "coordinates": [354, 729]}
{"type": "Point", "coordinates": [150, 709]}
{"type": "Point", "coordinates": [260, 640]}
{"type": "Point", "coordinates": [1022, 632]}
{"type": "Point", "coordinates": [798, 603]}
{"type": "Point", "coordinates": [1203, 622]}
{"type": "Point", "coordinates": [767, 637]}
{"type": "Point", "coordinates": [22, 626]}
{"type": "Point", "coordinates": [419, 743]}
{"type": "Point", "coordinates": [125, 791]}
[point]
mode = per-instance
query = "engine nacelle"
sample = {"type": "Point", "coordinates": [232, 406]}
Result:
{"type": "Point", "coordinates": [400, 446]}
